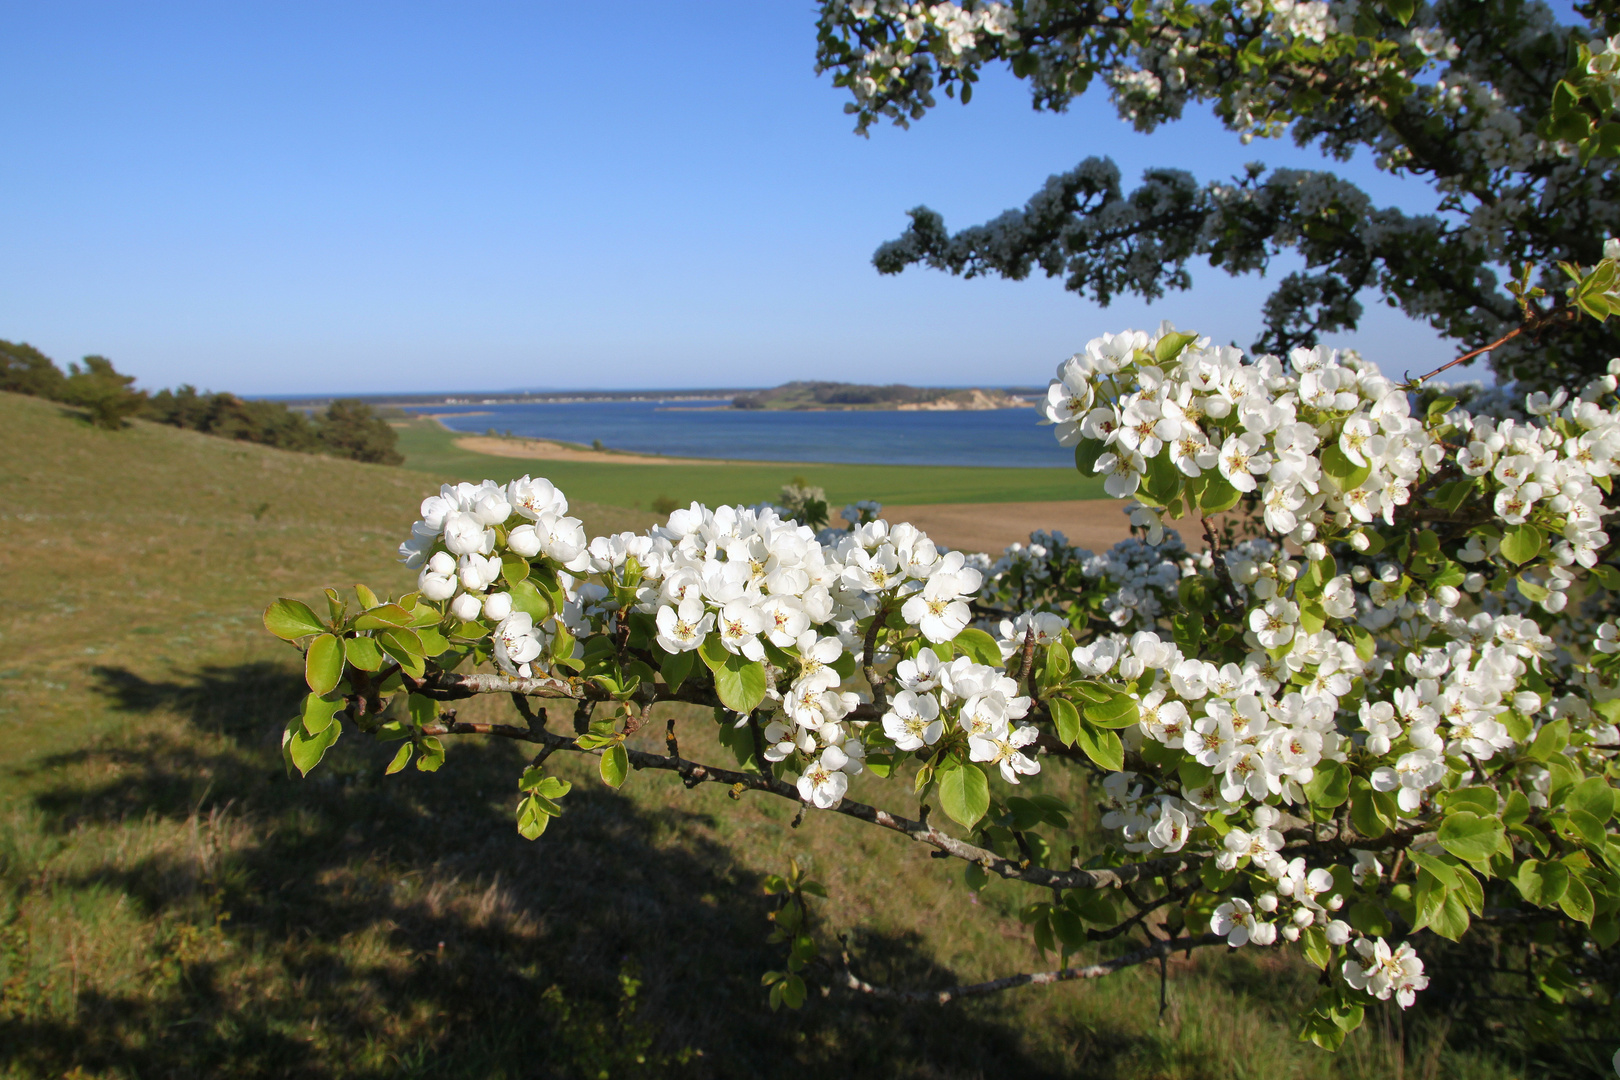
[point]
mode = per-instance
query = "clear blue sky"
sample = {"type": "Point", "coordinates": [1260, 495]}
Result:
{"type": "Point", "coordinates": [290, 197]}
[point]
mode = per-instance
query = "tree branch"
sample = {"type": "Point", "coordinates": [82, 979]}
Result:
{"type": "Point", "coordinates": [694, 773]}
{"type": "Point", "coordinates": [850, 981]}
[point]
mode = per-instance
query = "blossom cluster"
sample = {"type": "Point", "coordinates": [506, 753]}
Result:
{"type": "Point", "coordinates": [1384, 638]}
{"type": "Point", "coordinates": [1418, 686]}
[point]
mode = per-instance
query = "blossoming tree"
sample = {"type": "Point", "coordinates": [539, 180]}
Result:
{"type": "Point", "coordinates": [1390, 710]}
{"type": "Point", "coordinates": [1376, 710]}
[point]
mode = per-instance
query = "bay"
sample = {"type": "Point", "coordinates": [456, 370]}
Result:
{"type": "Point", "coordinates": [1007, 438]}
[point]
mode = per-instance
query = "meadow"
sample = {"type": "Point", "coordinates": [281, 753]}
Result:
{"type": "Point", "coordinates": [430, 447]}
{"type": "Point", "coordinates": [171, 904]}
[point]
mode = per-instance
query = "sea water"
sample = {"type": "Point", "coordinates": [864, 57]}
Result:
{"type": "Point", "coordinates": [999, 437]}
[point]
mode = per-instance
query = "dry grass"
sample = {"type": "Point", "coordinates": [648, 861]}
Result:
{"type": "Point", "coordinates": [172, 905]}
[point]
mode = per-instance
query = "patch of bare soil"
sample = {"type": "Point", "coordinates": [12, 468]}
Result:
{"type": "Point", "coordinates": [1089, 523]}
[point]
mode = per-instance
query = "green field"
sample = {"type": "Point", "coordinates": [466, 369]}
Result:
{"type": "Point", "coordinates": [429, 447]}
{"type": "Point", "coordinates": [172, 905]}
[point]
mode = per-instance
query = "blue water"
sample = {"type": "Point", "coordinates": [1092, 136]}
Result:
{"type": "Point", "coordinates": [1001, 437]}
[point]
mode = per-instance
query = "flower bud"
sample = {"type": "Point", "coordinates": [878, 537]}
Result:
{"type": "Point", "coordinates": [443, 563]}
{"type": "Point", "coordinates": [1361, 575]}
{"type": "Point", "coordinates": [1264, 933]}
{"type": "Point", "coordinates": [1360, 542]}
{"type": "Point", "coordinates": [497, 606]}
{"type": "Point", "coordinates": [1290, 932]}
{"type": "Point", "coordinates": [1334, 902]}
{"type": "Point", "coordinates": [524, 541]}
{"type": "Point", "coordinates": [436, 586]}
{"type": "Point", "coordinates": [466, 607]}
{"type": "Point", "coordinates": [1338, 932]}
{"type": "Point", "coordinates": [1266, 901]}
{"type": "Point", "coordinates": [1303, 917]}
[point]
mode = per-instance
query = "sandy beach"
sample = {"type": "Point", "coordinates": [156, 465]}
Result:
{"type": "Point", "coordinates": [543, 450]}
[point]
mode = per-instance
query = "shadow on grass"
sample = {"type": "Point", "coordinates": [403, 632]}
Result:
{"type": "Point", "coordinates": [356, 925]}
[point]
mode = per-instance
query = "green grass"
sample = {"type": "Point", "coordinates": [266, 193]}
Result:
{"type": "Point", "coordinates": [172, 905]}
{"type": "Point", "coordinates": [429, 447]}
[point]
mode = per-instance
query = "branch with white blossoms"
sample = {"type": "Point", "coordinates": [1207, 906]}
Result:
{"type": "Point", "coordinates": [1387, 711]}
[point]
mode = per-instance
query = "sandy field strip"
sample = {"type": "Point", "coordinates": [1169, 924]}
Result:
{"type": "Point", "coordinates": [1089, 523]}
{"type": "Point", "coordinates": [544, 450]}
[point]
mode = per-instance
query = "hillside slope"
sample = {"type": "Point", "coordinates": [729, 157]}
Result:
{"type": "Point", "coordinates": [172, 905]}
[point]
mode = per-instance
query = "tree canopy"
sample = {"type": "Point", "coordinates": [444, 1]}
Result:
{"type": "Point", "coordinates": [1460, 93]}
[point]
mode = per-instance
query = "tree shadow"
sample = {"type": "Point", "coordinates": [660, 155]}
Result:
{"type": "Point", "coordinates": [356, 925]}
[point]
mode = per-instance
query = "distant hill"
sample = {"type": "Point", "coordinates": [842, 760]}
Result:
{"type": "Point", "coordinates": [802, 396]}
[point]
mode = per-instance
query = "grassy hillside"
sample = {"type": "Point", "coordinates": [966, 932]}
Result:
{"type": "Point", "coordinates": [429, 447]}
{"type": "Point", "coordinates": [171, 905]}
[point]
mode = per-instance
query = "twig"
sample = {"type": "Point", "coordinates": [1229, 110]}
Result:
{"type": "Point", "coordinates": [1043, 978]}
{"type": "Point", "coordinates": [694, 773]}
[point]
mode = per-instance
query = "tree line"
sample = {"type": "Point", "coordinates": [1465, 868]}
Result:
{"type": "Point", "coordinates": [349, 428]}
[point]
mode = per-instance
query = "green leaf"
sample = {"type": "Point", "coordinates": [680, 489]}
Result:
{"type": "Point", "coordinates": [1533, 591]}
{"type": "Point", "coordinates": [1218, 495]}
{"type": "Point", "coordinates": [615, 765]}
{"type": "Point", "coordinates": [1365, 644]}
{"type": "Point", "coordinates": [1346, 473]}
{"type": "Point", "coordinates": [964, 793]}
{"type": "Point", "coordinates": [1592, 796]}
{"type": "Point", "coordinates": [1516, 810]}
{"type": "Point", "coordinates": [433, 642]}
{"type": "Point", "coordinates": [1117, 712]}
{"type": "Point", "coordinates": [363, 653]}
{"type": "Point", "coordinates": [401, 757]}
{"type": "Point", "coordinates": [430, 755]}
{"type": "Point", "coordinates": [1521, 543]}
{"type": "Point", "coordinates": [739, 683]}
{"type": "Point", "coordinates": [323, 664]}
{"type": "Point", "coordinates": [1469, 891]}
{"type": "Point", "coordinates": [1067, 719]}
{"type": "Point", "coordinates": [1481, 800]}
{"type": "Point", "coordinates": [1402, 10]}
{"type": "Point", "coordinates": [1330, 786]}
{"type": "Point", "coordinates": [1577, 900]}
{"type": "Point", "coordinates": [1315, 943]}
{"type": "Point", "coordinates": [290, 620]}
{"type": "Point", "coordinates": [1447, 875]}
{"type": "Point", "coordinates": [1550, 740]}
{"type": "Point", "coordinates": [526, 597]}
{"type": "Point", "coordinates": [1086, 453]}
{"type": "Point", "coordinates": [1103, 747]}
{"type": "Point", "coordinates": [532, 818]}
{"type": "Point", "coordinates": [1162, 481]}
{"type": "Point", "coordinates": [404, 646]}
{"type": "Point", "coordinates": [380, 618]}
{"type": "Point", "coordinates": [1588, 828]}
{"type": "Point", "coordinates": [675, 667]}
{"type": "Point", "coordinates": [514, 568]}
{"type": "Point", "coordinates": [1370, 919]}
{"type": "Point", "coordinates": [318, 712]}
{"type": "Point", "coordinates": [1450, 918]}
{"type": "Point", "coordinates": [979, 646]}
{"type": "Point", "coordinates": [1169, 347]}
{"type": "Point", "coordinates": [304, 750]}
{"type": "Point", "coordinates": [1470, 836]}
{"type": "Point", "coordinates": [713, 654]}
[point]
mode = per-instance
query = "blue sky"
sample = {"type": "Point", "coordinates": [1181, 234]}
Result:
{"type": "Point", "coordinates": [288, 198]}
